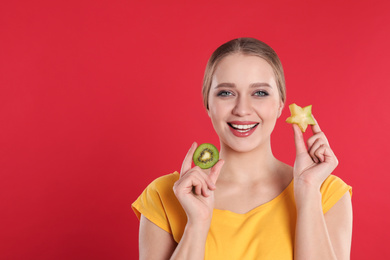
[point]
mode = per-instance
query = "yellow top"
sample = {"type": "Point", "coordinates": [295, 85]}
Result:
{"type": "Point", "coordinates": [266, 232]}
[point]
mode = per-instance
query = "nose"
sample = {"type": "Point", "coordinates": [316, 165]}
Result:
{"type": "Point", "coordinates": [243, 106]}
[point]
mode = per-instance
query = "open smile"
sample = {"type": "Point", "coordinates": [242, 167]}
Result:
{"type": "Point", "coordinates": [242, 129]}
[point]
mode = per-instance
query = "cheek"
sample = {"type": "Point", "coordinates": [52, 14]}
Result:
{"type": "Point", "coordinates": [215, 114]}
{"type": "Point", "coordinates": [270, 110]}
{"type": "Point", "coordinates": [216, 109]}
{"type": "Point", "coordinates": [218, 113]}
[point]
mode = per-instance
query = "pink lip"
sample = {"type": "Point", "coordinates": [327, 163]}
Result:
{"type": "Point", "coordinates": [242, 134]}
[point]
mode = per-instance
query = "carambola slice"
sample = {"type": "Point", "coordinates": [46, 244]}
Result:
{"type": "Point", "coordinates": [300, 116]}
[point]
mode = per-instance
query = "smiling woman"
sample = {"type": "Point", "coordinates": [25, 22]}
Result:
{"type": "Point", "coordinates": [270, 209]}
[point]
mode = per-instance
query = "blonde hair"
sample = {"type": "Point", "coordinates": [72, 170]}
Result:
{"type": "Point", "coordinates": [247, 46]}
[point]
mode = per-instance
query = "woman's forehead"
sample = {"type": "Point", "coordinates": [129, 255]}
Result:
{"type": "Point", "coordinates": [244, 69]}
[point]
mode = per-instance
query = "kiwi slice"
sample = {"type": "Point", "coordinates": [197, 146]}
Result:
{"type": "Point", "coordinates": [205, 156]}
{"type": "Point", "coordinates": [300, 116]}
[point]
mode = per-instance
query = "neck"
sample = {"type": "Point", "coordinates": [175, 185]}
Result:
{"type": "Point", "coordinates": [249, 166]}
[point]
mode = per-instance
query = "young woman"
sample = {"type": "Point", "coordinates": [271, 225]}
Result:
{"type": "Point", "coordinates": [249, 205]}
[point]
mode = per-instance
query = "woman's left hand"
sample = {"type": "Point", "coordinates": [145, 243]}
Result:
{"type": "Point", "coordinates": [314, 163]}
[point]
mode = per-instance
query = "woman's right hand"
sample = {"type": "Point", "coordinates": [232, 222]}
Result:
{"type": "Point", "coordinates": [195, 189]}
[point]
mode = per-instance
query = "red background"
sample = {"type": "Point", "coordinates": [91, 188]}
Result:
{"type": "Point", "coordinates": [98, 98]}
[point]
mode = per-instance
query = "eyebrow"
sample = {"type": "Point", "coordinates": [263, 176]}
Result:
{"type": "Point", "coordinates": [253, 85]}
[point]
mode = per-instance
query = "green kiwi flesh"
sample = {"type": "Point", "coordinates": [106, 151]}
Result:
{"type": "Point", "coordinates": [205, 156]}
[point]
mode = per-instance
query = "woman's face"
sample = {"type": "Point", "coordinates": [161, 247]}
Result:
{"type": "Point", "coordinates": [244, 102]}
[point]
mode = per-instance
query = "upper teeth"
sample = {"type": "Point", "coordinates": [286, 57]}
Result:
{"type": "Point", "coordinates": [245, 127]}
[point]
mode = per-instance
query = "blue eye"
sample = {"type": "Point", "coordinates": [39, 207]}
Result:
{"type": "Point", "coordinates": [224, 93]}
{"type": "Point", "coordinates": [261, 93]}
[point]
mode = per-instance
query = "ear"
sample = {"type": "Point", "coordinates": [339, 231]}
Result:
{"type": "Point", "coordinates": [281, 106]}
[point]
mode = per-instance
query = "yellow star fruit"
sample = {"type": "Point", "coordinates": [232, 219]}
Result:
{"type": "Point", "coordinates": [300, 116]}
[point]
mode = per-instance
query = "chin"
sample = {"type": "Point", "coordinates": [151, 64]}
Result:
{"type": "Point", "coordinates": [244, 146]}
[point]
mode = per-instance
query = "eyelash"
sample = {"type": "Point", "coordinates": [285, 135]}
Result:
{"type": "Point", "coordinates": [224, 93]}
{"type": "Point", "coordinates": [260, 93]}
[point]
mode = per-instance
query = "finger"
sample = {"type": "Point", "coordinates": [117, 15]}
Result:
{"type": "Point", "coordinates": [300, 146]}
{"type": "Point", "coordinates": [205, 190]}
{"type": "Point", "coordinates": [313, 148]}
{"type": "Point", "coordinates": [202, 173]}
{"type": "Point", "coordinates": [207, 183]}
{"type": "Point", "coordinates": [186, 166]}
{"type": "Point", "coordinates": [320, 153]}
{"type": "Point", "coordinates": [194, 182]}
{"type": "Point", "coordinates": [327, 154]}
{"type": "Point", "coordinates": [315, 137]}
{"type": "Point", "coordinates": [197, 188]}
{"type": "Point", "coordinates": [215, 171]}
{"type": "Point", "coordinates": [315, 128]}
{"type": "Point", "coordinates": [198, 181]}
{"type": "Point", "coordinates": [201, 187]}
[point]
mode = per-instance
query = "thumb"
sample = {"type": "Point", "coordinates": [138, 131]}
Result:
{"type": "Point", "coordinates": [300, 146]}
{"type": "Point", "coordinates": [214, 174]}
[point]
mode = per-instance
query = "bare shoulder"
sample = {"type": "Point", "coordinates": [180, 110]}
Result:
{"type": "Point", "coordinates": [339, 223]}
{"type": "Point", "coordinates": [154, 242]}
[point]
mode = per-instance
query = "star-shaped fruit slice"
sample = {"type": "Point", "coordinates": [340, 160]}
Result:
{"type": "Point", "coordinates": [300, 116]}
